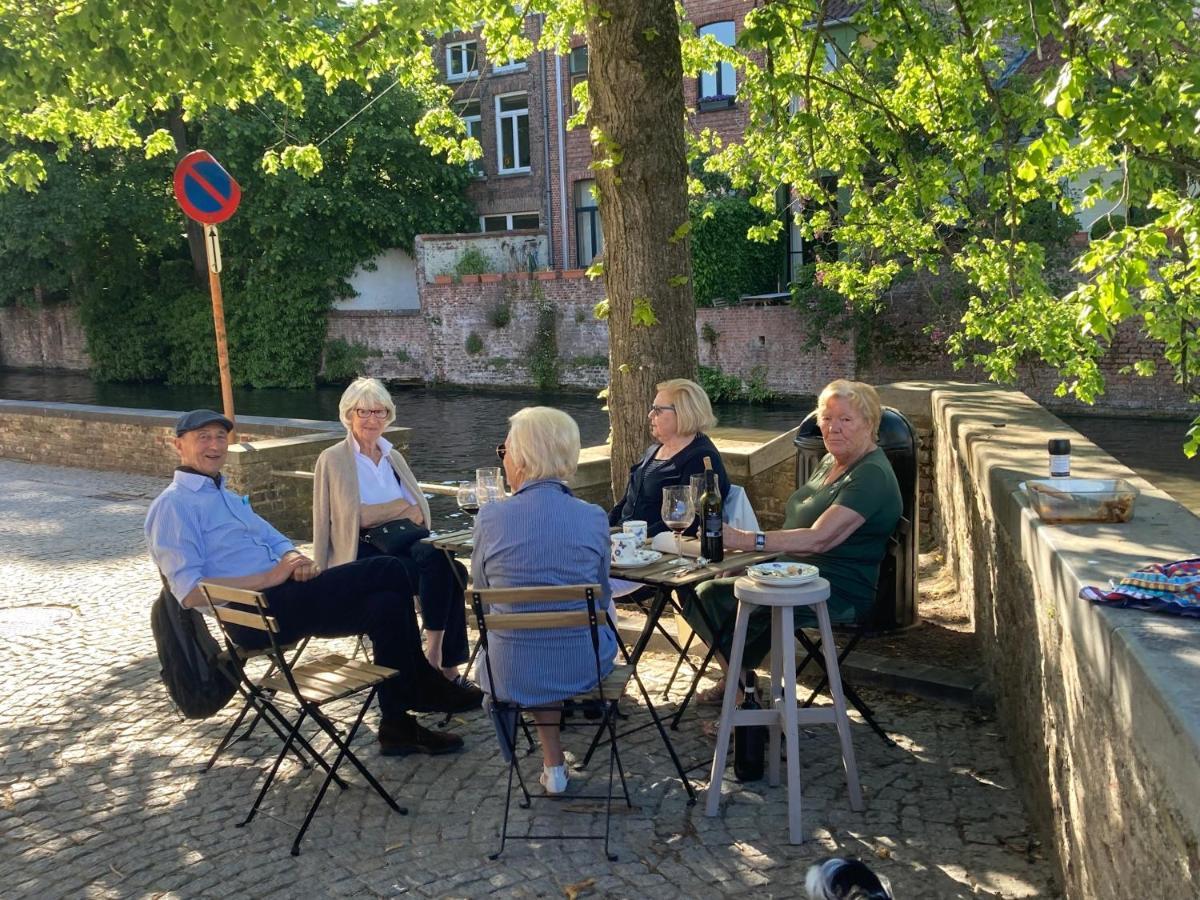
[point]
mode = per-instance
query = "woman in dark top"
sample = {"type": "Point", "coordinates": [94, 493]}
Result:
{"type": "Point", "coordinates": [678, 417]}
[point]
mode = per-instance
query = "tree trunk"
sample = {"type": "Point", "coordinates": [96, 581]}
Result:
{"type": "Point", "coordinates": [636, 91]}
{"type": "Point", "coordinates": [195, 232]}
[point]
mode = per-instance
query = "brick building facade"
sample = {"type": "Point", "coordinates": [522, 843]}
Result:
{"type": "Point", "coordinates": [534, 171]}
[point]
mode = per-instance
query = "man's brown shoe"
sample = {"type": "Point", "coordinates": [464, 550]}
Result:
{"type": "Point", "coordinates": [408, 736]}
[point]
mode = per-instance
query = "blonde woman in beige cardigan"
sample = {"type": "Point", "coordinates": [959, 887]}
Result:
{"type": "Point", "coordinates": [363, 482]}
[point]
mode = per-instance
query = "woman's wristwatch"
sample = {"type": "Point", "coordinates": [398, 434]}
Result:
{"type": "Point", "coordinates": [760, 541]}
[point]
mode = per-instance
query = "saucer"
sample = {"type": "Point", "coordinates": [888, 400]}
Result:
{"type": "Point", "coordinates": [644, 558]}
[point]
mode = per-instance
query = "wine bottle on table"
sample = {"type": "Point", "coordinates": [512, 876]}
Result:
{"type": "Point", "coordinates": [712, 523]}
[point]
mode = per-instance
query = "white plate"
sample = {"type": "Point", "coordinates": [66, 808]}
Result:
{"type": "Point", "coordinates": [645, 557]}
{"type": "Point", "coordinates": [783, 574]}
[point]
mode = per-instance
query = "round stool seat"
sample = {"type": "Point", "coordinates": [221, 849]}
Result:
{"type": "Point", "coordinates": [750, 590]}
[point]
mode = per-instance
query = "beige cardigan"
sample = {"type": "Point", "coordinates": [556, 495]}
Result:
{"type": "Point", "coordinates": [336, 502]}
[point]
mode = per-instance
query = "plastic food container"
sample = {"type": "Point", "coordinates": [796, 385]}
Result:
{"type": "Point", "coordinates": [1065, 500]}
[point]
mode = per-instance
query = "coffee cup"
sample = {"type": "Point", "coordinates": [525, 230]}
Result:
{"type": "Point", "coordinates": [638, 528]}
{"type": "Point", "coordinates": [624, 548]}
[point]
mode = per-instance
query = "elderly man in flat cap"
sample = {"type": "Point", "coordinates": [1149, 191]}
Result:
{"type": "Point", "coordinates": [200, 531]}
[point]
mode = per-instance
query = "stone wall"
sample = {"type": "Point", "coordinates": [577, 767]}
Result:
{"type": "Point", "coordinates": [1097, 705]}
{"type": "Point", "coordinates": [44, 337]}
{"type": "Point", "coordinates": [140, 441]}
{"type": "Point", "coordinates": [908, 342]}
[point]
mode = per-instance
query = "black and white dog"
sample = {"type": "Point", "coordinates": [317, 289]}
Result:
{"type": "Point", "coordinates": [844, 879]}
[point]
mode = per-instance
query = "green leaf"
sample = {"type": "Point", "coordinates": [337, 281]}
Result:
{"type": "Point", "coordinates": [601, 310]}
{"type": "Point", "coordinates": [643, 312]}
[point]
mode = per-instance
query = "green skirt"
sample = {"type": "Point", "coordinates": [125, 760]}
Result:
{"type": "Point", "coordinates": [720, 606]}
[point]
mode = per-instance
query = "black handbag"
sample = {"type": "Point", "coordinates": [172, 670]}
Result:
{"type": "Point", "coordinates": [396, 537]}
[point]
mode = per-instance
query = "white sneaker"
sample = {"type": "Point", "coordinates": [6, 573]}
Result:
{"type": "Point", "coordinates": [554, 778]}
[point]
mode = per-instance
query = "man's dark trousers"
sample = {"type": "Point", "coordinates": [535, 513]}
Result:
{"type": "Point", "coordinates": [368, 596]}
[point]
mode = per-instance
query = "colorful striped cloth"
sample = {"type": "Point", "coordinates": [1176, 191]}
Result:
{"type": "Point", "coordinates": [1172, 588]}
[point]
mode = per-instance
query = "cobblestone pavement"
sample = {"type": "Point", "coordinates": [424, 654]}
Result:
{"type": "Point", "coordinates": [101, 792]}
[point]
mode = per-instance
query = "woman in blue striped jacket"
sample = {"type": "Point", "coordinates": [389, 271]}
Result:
{"type": "Point", "coordinates": [542, 535]}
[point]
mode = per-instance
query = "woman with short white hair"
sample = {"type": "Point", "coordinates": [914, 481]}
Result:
{"type": "Point", "coordinates": [542, 535]}
{"type": "Point", "coordinates": [367, 502]}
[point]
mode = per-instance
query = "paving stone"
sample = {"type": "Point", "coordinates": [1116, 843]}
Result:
{"type": "Point", "coordinates": [102, 793]}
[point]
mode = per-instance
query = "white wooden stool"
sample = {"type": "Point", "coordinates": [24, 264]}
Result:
{"type": "Point", "coordinates": [782, 713]}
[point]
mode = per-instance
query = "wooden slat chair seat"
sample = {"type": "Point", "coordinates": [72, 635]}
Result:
{"type": "Point", "coordinates": [310, 685]}
{"type": "Point", "coordinates": [604, 697]}
{"type": "Point", "coordinates": [614, 684]}
{"type": "Point", "coordinates": [331, 677]}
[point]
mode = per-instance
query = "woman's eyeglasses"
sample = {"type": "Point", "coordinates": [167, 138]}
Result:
{"type": "Point", "coordinates": [368, 413]}
{"type": "Point", "coordinates": [500, 451]}
{"type": "Point", "coordinates": [656, 410]}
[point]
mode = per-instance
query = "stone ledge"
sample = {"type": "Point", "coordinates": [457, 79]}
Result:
{"type": "Point", "coordinates": [1138, 668]}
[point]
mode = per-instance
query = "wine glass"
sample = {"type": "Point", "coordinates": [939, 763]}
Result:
{"type": "Point", "coordinates": [697, 483]}
{"type": "Point", "coordinates": [678, 510]}
{"type": "Point", "coordinates": [468, 500]}
{"type": "Point", "coordinates": [489, 484]}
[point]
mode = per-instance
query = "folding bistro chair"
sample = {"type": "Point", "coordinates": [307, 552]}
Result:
{"type": "Point", "coordinates": [604, 697]}
{"type": "Point", "coordinates": [891, 573]}
{"type": "Point", "coordinates": [311, 685]}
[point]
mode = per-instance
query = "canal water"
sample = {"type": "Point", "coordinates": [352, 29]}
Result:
{"type": "Point", "coordinates": [455, 429]}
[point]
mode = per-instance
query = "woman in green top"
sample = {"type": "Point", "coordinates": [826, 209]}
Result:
{"type": "Point", "coordinates": [839, 521]}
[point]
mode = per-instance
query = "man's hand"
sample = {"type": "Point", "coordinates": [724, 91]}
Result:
{"type": "Point", "coordinates": [305, 569]}
{"type": "Point", "coordinates": [293, 565]}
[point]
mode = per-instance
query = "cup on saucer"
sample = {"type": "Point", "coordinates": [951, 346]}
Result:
{"type": "Point", "coordinates": [624, 548]}
{"type": "Point", "coordinates": [638, 528]}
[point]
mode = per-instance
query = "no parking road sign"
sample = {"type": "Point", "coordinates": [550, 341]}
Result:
{"type": "Point", "coordinates": [204, 189]}
{"type": "Point", "coordinates": [209, 195]}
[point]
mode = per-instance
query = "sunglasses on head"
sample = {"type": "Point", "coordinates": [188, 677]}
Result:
{"type": "Point", "coordinates": [500, 451]}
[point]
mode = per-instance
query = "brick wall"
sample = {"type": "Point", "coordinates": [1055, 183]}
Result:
{"type": "Point", "coordinates": [902, 348]}
{"type": "Point", "coordinates": [749, 340]}
{"type": "Point", "coordinates": [46, 337]}
{"type": "Point", "coordinates": [769, 339]}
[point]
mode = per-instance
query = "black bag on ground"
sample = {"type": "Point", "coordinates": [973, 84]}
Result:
{"type": "Point", "coordinates": [396, 537]}
{"type": "Point", "coordinates": [188, 654]}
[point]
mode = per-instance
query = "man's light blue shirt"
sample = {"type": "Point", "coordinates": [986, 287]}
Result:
{"type": "Point", "coordinates": [196, 531]}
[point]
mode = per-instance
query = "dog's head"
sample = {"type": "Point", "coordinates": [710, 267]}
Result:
{"type": "Point", "coordinates": [844, 879]}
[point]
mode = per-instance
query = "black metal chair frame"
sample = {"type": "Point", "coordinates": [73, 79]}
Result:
{"type": "Point", "coordinates": [607, 705]}
{"type": "Point", "coordinates": [251, 700]}
{"type": "Point", "coordinates": [250, 609]}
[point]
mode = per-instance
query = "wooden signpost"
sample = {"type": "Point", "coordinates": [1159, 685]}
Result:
{"type": "Point", "coordinates": [208, 194]}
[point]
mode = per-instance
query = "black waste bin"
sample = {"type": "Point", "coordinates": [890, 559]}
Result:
{"type": "Point", "coordinates": [896, 600]}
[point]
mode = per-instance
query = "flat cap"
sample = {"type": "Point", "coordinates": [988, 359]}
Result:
{"type": "Point", "coordinates": [198, 418]}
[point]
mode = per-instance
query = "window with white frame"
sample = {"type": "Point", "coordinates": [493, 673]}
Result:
{"type": "Point", "coordinates": [512, 133]}
{"type": "Point", "coordinates": [469, 112]}
{"type": "Point", "coordinates": [510, 221]}
{"type": "Point", "coordinates": [461, 59]}
{"type": "Point", "coordinates": [721, 82]}
{"type": "Point", "coordinates": [589, 233]}
{"type": "Point", "coordinates": [512, 64]}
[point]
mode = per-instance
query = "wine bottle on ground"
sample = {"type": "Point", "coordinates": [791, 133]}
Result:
{"type": "Point", "coordinates": [749, 741]}
{"type": "Point", "coordinates": [712, 523]}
